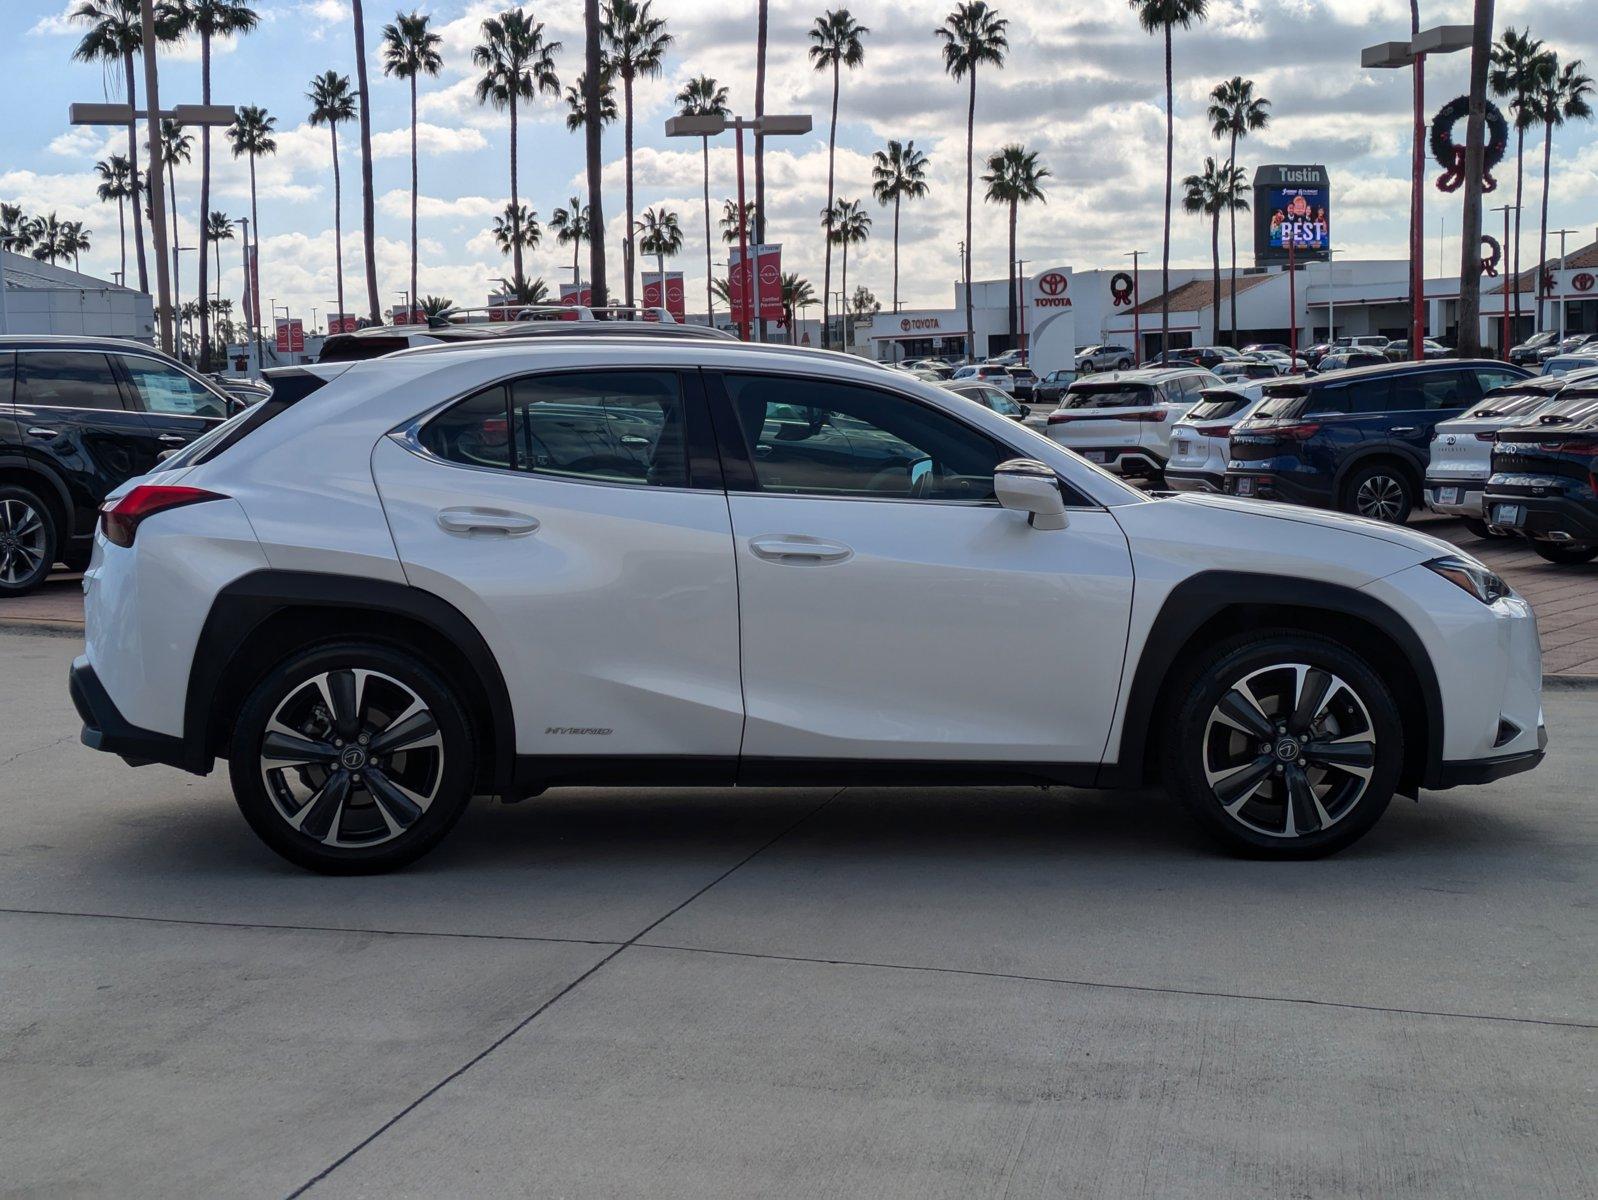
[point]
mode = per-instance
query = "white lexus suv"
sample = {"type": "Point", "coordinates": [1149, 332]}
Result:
{"type": "Point", "coordinates": [498, 569]}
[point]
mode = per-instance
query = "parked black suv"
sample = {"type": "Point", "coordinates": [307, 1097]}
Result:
{"type": "Point", "coordinates": [1544, 484]}
{"type": "Point", "coordinates": [1355, 440]}
{"type": "Point", "coordinates": [78, 416]}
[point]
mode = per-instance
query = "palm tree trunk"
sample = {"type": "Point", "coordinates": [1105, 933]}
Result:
{"type": "Point", "coordinates": [710, 294]}
{"type": "Point", "coordinates": [1542, 233]}
{"type": "Point", "coordinates": [252, 284]}
{"type": "Point", "coordinates": [1231, 168]}
{"type": "Point", "coordinates": [896, 252]}
{"type": "Point", "coordinates": [843, 309]}
{"type": "Point", "coordinates": [627, 241]}
{"type": "Point", "coordinates": [592, 141]}
{"type": "Point", "coordinates": [1470, 273]}
{"type": "Point", "coordinates": [1520, 185]}
{"type": "Point", "coordinates": [1010, 274]}
{"type": "Point", "coordinates": [515, 200]}
{"type": "Point", "coordinates": [970, 134]}
{"type": "Point", "coordinates": [826, 271]}
{"type": "Point", "coordinates": [177, 240]}
{"type": "Point", "coordinates": [133, 175]}
{"type": "Point", "coordinates": [368, 204]}
{"type": "Point", "coordinates": [415, 298]}
{"type": "Point", "coordinates": [122, 234]}
{"type": "Point", "coordinates": [205, 199]}
{"type": "Point", "coordinates": [338, 225]}
{"type": "Point", "coordinates": [1215, 265]}
{"type": "Point", "coordinates": [1165, 247]}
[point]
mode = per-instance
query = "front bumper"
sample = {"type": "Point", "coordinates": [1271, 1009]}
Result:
{"type": "Point", "coordinates": [1470, 771]}
{"type": "Point", "coordinates": [104, 728]}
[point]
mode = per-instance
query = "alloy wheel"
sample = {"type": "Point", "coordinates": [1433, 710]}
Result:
{"type": "Point", "coordinates": [23, 540]}
{"type": "Point", "coordinates": [352, 758]}
{"type": "Point", "coordinates": [1289, 750]}
{"type": "Point", "coordinates": [1380, 497]}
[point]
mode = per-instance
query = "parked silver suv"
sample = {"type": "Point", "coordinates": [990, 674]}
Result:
{"type": "Point", "coordinates": [1104, 358]}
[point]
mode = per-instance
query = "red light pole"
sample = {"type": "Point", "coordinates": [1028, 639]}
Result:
{"type": "Point", "coordinates": [1292, 296]}
{"type": "Point", "coordinates": [1137, 326]}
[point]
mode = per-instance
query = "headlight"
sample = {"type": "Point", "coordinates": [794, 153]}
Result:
{"type": "Point", "coordinates": [1472, 577]}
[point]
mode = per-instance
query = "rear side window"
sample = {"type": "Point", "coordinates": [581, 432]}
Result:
{"type": "Point", "coordinates": [1130, 395]}
{"type": "Point", "coordinates": [1215, 407]}
{"type": "Point", "coordinates": [66, 379]}
{"type": "Point", "coordinates": [1433, 390]}
{"type": "Point", "coordinates": [167, 391]}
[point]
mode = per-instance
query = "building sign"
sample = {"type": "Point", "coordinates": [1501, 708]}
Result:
{"type": "Point", "coordinates": [1582, 281]}
{"type": "Point", "coordinates": [1292, 214]}
{"type": "Point", "coordinates": [290, 335]}
{"type": "Point", "coordinates": [1052, 290]}
{"type": "Point", "coordinates": [913, 324]}
{"type": "Point", "coordinates": [342, 322]}
{"type": "Point", "coordinates": [673, 300]}
{"type": "Point", "coordinates": [413, 316]}
{"type": "Point", "coordinates": [769, 260]}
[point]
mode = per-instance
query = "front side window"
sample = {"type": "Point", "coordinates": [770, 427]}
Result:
{"type": "Point", "coordinates": [1433, 390]}
{"type": "Point", "coordinates": [8, 372]}
{"type": "Point", "coordinates": [814, 437]}
{"type": "Point", "coordinates": [1000, 403]}
{"type": "Point", "coordinates": [168, 391]}
{"type": "Point", "coordinates": [599, 426]}
{"type": "Point", "coordinates": [66, 379]}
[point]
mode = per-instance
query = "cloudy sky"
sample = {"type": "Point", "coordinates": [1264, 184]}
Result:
{"type": "Point", "coordinates": [1082, 86]}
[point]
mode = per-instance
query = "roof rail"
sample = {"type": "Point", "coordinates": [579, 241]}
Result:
{"type": "Point", "coordinates": [515, 311]}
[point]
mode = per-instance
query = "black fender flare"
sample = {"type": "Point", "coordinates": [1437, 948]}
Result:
{"type": "Point", "coordinates": [1199, 599]}
{"type": "Point", "coordinates": [58, 488]}
{"type": "Point", "coordinates": [1385, 450]}
{"type": "Point", "coordinates": [240, 608]}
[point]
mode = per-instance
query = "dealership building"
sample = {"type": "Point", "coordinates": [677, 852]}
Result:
{"type": "Point", "coordinates": [43, 298]}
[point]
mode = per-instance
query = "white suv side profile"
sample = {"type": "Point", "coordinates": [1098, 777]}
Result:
{"type": "Point", "coordinates": [495, 570]}
{"type": "Point", "coordinates": [1123, 420]}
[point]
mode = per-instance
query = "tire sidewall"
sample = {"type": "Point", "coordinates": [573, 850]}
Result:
{"type": "Point", "coordinates": [1210, 680]}
{"type": "Point", "coordinates": [454, 791]}
{"type": "Point", "coordinates": [1361, 475]}
{"type": "Point", "coordinates": [1561, 555]}
{"type": "Point", "coordinates": [52, 536]}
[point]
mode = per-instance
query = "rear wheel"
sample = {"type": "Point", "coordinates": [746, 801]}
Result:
{"type": "Point", "coordinates": [352, 758]}
{"type": "Point", "coordinates": [1381, 492]}
{"type": "Point", "coordinates": [1284, 745]}
{"type": "Point", "coordinates": [1566, 554]}
{"type": "Point", "coordinates": [29, 541]}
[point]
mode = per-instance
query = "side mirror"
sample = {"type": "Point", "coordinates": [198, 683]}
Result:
{"type": "Point", "coordinates": [1029, 486]}
{"type": "Point", "coordinates": [1026, 411]}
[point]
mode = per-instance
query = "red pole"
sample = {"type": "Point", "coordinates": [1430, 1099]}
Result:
{"type": "Point", "coordinates": [1503, 291]}
{"type": "Point", "coordinates": [1292, 296]}
{"type": "Point", "coordinates": [1417, 269]}
{"type": "Point", "coordinates": [1137, 326]}
{"type": "Point", "coordinates": [743, 243]}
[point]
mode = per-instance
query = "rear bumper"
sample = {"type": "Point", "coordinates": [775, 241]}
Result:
{"type": "Point", "coordinates": [1194, 481]}
{"type": "Point", "coordinates": [1470, 771]}
{"type": "Point", "coordinates": [1470, 496]}
{"type": "Point", "coordinates": [1270, 485]}
{"type": "Point", "coordinates": [1121, 460]}
{"type": "Point", "coordinates": [1554, 518]}
{"type": "Point", "coordinates": [104, 728]}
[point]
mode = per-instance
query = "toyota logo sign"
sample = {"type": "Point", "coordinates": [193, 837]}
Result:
{"type": "Point", "coordinates": [1583, 282]}
{"type": "Point", "coordinates": [1053, 284]}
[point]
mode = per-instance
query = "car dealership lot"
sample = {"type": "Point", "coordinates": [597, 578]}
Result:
{"type": "Point", "coordinates": [941, 992]}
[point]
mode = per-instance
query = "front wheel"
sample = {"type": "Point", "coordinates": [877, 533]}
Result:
{"type": "Point", "coordinates": [1566, 554]}
{"type": "Point", "coordinates": [352, 758]}
{"type": "Point", "coordinates": [29, 541]}
{"type": "Point", "coordinates": [1380, 492]}
{"type": "Point", "coordinates": [1284, 745]}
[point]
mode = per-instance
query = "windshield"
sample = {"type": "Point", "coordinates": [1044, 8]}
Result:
{"type": "Point", "coordinates": [1122, 395]}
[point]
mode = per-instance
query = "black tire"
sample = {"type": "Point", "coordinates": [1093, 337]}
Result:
{"type": "Point", "coordinates": [1124, 364]}
{"type": "Point", "coordinates": [378, 836]}
{"type": "Point", "coordinates": [1207, 762]}
{"type": "Point", "coordinates": [1380, 491]}
{"type": "Point", "coordinates": [29, 540]}
{"type": "Point", "coordinates": [1481, 529]}
{"type": "Point", "coordinates": [1565, 554]}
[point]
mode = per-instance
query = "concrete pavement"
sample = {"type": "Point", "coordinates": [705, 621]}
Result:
{"type": "Point", "coordinates": [944, 992]}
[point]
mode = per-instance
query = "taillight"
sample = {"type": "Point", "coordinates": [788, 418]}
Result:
{"type": "Point", "coordinates": [1588, 449]}
{"type": "Point", "coordinates": [1213, 430]}
{"type": "Point", "coordinates": [1293, 433]}
{"type": "Point", "coordinates": [1155, 415]}
{"type": "Point", "coordinates": [1058, 418]}
{"type": "Point", "coordinates": [1488, 436]}
{"type": "Point", "coordinates": [120, 519]}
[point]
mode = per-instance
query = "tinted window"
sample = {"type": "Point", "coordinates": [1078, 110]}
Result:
{"type": "Point", "coordinates": [613, 426]}
{"type": "Point", "coordinates": [1362, 396]}
{"type": "Point", "coordinates": [475, 432]}
{"type": "Point", "coordinates": [164, 389]}
{"type": "Point", "coordinates": [1490, 379]}
{"type": "Point", "coordinates": [66, 379]}
{"type": "Point", "coordinates": [831, 439]}
{"type": "Point", "coordinates": [1217, 405]}
{"type": "Point", "coordinates": [1000, 403]}
{"type": "Point", "coordinates": [1433, 390]}
{"type": "Point", "coordinates": [8, 367]}
{"type": "Point", "coordinates": [1125, 395]}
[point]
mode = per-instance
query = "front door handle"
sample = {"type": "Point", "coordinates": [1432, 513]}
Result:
{"type": "Point", "coordinates": [798, 549]}
{"type": "Point", "coordinates": [172, 439]}
{"type": "Point", "coordinates": [1404, 429]}
{"type": "Point", "coordinates": [486, 520]}
{"type": "Point", "coordinates": [37, 432]}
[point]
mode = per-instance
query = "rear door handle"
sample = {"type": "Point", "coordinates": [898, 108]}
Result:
{"type": "Point", "coordinates": [798, 549]}
{"type": "Point", "coordinates": [1404, 429]}
{"type": "Point", "coordinates": [172, 439]}
{"type": "Point", "coordinates": [486, 520]}
{"type": "Point", "coordinates": [37, 432]}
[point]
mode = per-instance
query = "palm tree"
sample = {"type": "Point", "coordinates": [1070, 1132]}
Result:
{"type": "Point", "coordinates": [1235, 112]}
{"type": "Point", "coordinates": [114, 36]}
{"type": "Point", "coordinates": [218, 229]}
{"type": "Point", "coordinates": [1562, 97]}
{"type": "Point", "coordinates": [1219, 189]}
{"type": "Point", "coordinates": [74, 240]}
{"type": "Point", "coordinates": [722, 291]}
{"type": "Point", "coordinates": [1520, 64]}
{"type": "Point", "coordinates": [46, 236]}
{"type": "Point", "coordinates": [209, 19]}
{"type": "Point", "coordinates": [116, 184]}
{"type": "Point", "coordinates": [176, 147]}
{"type": "Point", "coordinates": [432, 306]}
{"type": "Point", "coordinates": [410, 50]}
{"type": "Point", "coordinates": [1163, 17]}
{"type": "Point", "coordinates": [796, 294]}
{"type": "Point", "coordinates": [848, 225]}
{"type": "Point", "coordinates": [577, 102]}
{"type": "Point", "coordinates": [518, 63]}
{"type": "Point", "coordinates": [1014, 178]}
{"type": "Point", "coordinates": [729, 220]}
{"type": "Point", "coordinates": [898, 173]}
{"type": "Point", "coordinates": [16, 229]}
{"type": "Point", "coordinates": [835, 43]}
{"type": "Point", "coordinates": [593, 145]}
{"type": "Point", "coordinates": [702, 96]}
{"type": "Point", "coordinates": [635, 44]}
{"type": "Point", "coordinates": [661, 235]}
{"type": "Point", "coordinates": [332, 104]}
{"type": "Point", "coordinates": [528, 291]}
{"type": "Point", "coordinates": [516, 231]}
{"type": "Point", "coordinates": [972, 34]}
{"type": "Point", "coordinates": [368, 202]}
{"type": "Point", "coordinates": [571, 229]}
{"type": "Point", "coordinates": [251, 135]}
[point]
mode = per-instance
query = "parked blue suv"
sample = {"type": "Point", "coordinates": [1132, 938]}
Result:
{"type": "Point", "coordinates": [1355, 440]}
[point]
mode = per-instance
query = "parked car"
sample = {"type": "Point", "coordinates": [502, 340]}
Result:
{"type": "Point", "coordinates": [1199, 439]}
{"type": "Point", "coordinates": [1266, 348]}
{"type": "Point", "coordinates": [250, 391]}
{"type": "Point", "coordinates": [1544, 485]}
{"type": "Point", "coordinates": [1564, 364]}
{"type": "Point", "coordinates": [550, 563]}
{"type": "Point", "coordinates": [1529, 352]}
{"type": "Point", "coordinates": [1122, 420]}
{"type": "Point", "coordinates": [1050, 389]}
{"type": "Point", "coordinates": [989, 396]}
{"type": "Point", "coordinates": [991, 373]}
{"type": "Point", "coordinates": [1575, 343]}
{"type": "Point", "coordinates": [1009, 358]}
{"type": "Point", "coordinates": [1313, 354]}
{"type": "Point", "coordinates": [1355, 440]}
{"type": "Point", "coordinates": [1398, 351]}
{"type": "Point", "coordinates": [1025, 382]}
{"type": "Point", "coordinates": [1243, 370]}
{"type": "Point", "coordinates": [78, 416]}
{"type": "Point", "coordinates": [1362, 341]}
{"type": "Point", "coordinates": [1460, 458]}
{"type": "Point", "coordinates": [1342, 360]}
{"type": "Point", "coordinates": [1285, 364]}
{"type": "Point", "coordinates": [1207, 357]}
{"type": "Point", "coordinates": [1104, 358]}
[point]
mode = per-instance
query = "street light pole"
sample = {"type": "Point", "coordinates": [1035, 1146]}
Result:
{"type": "Point", "coordinates": [1503, 291]}
{"type": "Point", "coordinates": [1137, 325]}
{"type": "Point", "coordinates": [1562, 233]}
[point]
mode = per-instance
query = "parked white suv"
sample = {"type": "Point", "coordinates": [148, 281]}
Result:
{"type": "Point", "coordinates": [1123, 419]}
{"type": "Point", "coordinates": [1200, 439]}
{"type": "Point", "coordinates": [496, 570]}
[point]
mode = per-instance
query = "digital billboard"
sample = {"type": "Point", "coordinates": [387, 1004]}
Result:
{"type": "Point", "coordinates": [1292, 209]}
